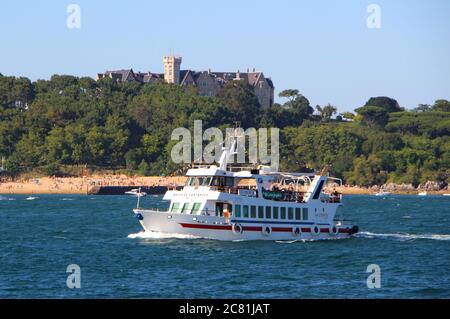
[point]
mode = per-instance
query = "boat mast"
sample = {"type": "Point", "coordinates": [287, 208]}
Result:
{"type": "Point", "coordinates": [227, 153]}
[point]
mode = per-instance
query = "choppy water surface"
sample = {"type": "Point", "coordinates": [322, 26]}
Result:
{"type": "Point", "coordinates": [407, 236]}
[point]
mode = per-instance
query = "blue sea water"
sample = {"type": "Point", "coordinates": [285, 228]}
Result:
{"type": "Point", "coordinates": [407, 236]}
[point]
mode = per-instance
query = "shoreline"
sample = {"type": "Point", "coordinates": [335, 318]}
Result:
{"type": "Point", "coordinates": [85, 185]}
{"type": "Point", "coordinates": [82, 185]}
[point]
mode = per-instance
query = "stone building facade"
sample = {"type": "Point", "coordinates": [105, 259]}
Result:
{"type": "Point", "coordinates": [208, 83]}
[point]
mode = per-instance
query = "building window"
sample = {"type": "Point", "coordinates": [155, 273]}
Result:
{"type": "Point", "coordinates": [253, 211]}
{"type": "Point", "coordinates": [298, 214]}
{"type": "Point", "coordinates": [268, 212]}
{"type": "Point", "coordinates": [283, 213]}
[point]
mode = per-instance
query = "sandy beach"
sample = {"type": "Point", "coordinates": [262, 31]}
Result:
{"type": "Point", "coordinates": [84, 185]}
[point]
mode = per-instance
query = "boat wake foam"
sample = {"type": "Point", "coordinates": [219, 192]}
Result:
{"type": "Point", "coordinates": [403, 236]}
{"type": "Point", "coordinates": [158, 235]}
{"type": "Point", "coordinates": [6, 198]}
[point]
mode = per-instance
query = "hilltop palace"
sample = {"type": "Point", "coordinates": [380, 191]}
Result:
{"type": "Point", "coordinates": [208, 83]}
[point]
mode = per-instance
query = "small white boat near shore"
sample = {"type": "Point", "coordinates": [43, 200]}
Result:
{"type": "Point", "coordinates": [30, 198]}
{"type": "Point", "coordinates": [136, 192]}
{"type": "Point", "coordinates": [424, 193]}
{"type": "Point", "coordinates": [383, 194]}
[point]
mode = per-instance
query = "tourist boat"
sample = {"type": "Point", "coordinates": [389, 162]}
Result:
{"type": "Point", "coordinates": [424, 193]}
{"type": "Point", "coordinates": [226, 203]}
{"type": "Point", "coordinates": [383, 194]}
{"type": "Point", "coordinates": [136, 192]}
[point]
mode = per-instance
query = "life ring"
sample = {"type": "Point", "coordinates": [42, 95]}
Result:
{"type": "Point", "coordinates": [296, 231]}
{"type": "Point", "coordinates": [237, 229]}
{"type": "Point", "coordinates": [266, 230]}
{"type": "Point", "coordinates": [315, 230]}
{"type": "Point", "coordinates": [333, 231]}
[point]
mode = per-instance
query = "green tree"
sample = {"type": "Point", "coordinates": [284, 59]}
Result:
{"type": "Point", "coordinates": [348, 115]}
{"type": "Point", "coordinates": [441, 105]}
{"type": "Point", "coordinates": [386, 103]}
{"type": "Point", "coordinates": [373, 116]}
{"type": "Point", "coordinates": [144, 168]}
{"type": "Point", "coordinates": [326, 112]}
{"type": "Point", "coordinates": [241, 103]}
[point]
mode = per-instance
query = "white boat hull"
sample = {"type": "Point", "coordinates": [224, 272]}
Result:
{"type": "Point", "coordinates": [218, 228]}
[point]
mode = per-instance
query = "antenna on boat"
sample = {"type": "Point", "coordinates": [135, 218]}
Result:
{"type": "Point", "coordinates": [325, 170]}
{"type": "Point", "coordinates": [138, 198]}
{"type": "Point", "coordinates": [227, 153]}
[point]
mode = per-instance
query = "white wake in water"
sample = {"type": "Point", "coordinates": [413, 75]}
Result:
{"type": "Point", "coordinates": [6, 198]}
{"type": "Point", "coordinates": [403, 236]}
{"type": "Point", "coordinates": [157, 235]}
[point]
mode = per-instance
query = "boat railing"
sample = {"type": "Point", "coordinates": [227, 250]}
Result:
{"type": "Point", "coordinates": [293, 196]}
{"type": "Point", "coordinates": [236, 190]}
{"type": "Point", "coordinates": [229, 168]}
{"type": "Point", "coordinates": [331, 198]}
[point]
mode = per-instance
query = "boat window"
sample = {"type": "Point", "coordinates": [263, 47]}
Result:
{"type": "Point", "coordinates": [268, 212]}
{"type": "Point", "coordinates": [219, 209]}
{"type": "Point", "coordinates": [298, 214]}
{"type": "Point", "coordinates": [218, 181]}
{"type": "Point", "coordinates": [305, 213]}
{"type": "Point", "coordinates": [199, 181]}
{"type": "Point", "coordinates": [221, 181]}
{"type": "Point", "coordinates": [290, 213]}
{"type": "Point", "coordinates": [185, 208]}
{"type": "Point", "coordinates": [230, 208]}
{"type": "Point", "coordinates": [283, 213]}
{"type": "Point", "coordinates": [260, 211]}
{"type": "Point", "coordinates": [175, 207]}
{"type": "Point", "coordinates": [275, 212]}
{"type": "Point", "coordinates": [195, 208]}
{"type": "Point", "coordinates": [237, 209]}
{"type": "Point", "coordinates": [253, 211]}
{"type": "Point", "coordinates": [245, 211]}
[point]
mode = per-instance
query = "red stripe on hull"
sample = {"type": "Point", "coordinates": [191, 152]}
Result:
{"type": "Point", "coordinates": [203, 226]}
{"type": "Point", "coordinates": [256, 228]}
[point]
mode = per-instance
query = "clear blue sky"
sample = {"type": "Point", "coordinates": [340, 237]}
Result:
{"type": "Point", "coordinates": [323, 48]}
